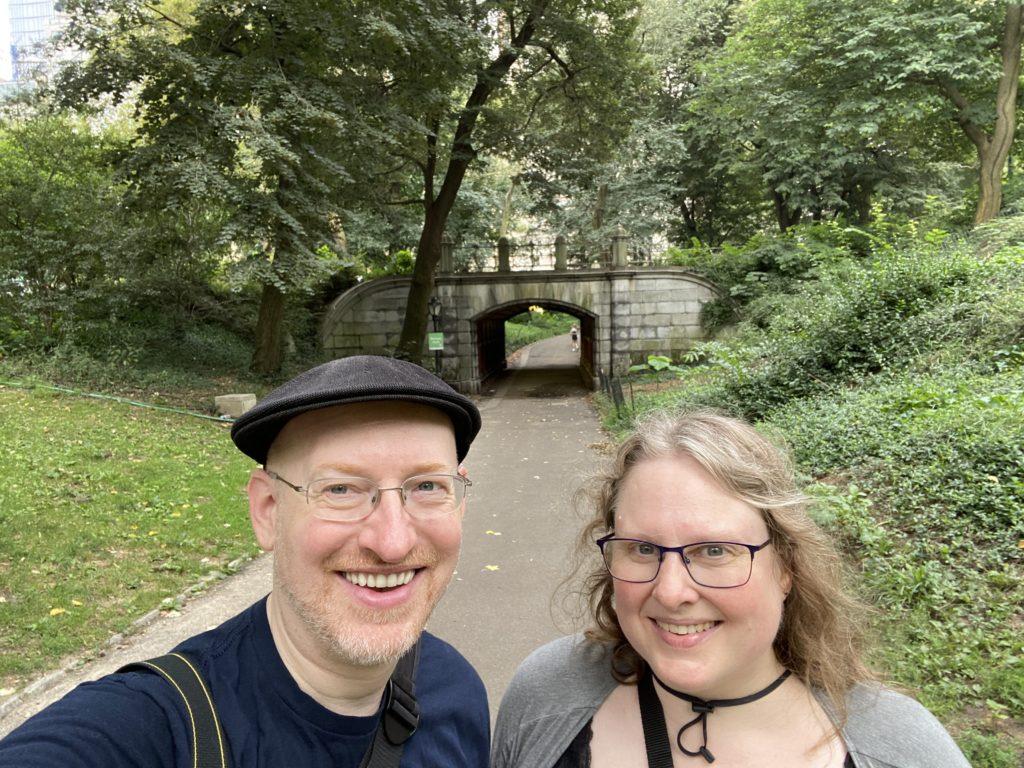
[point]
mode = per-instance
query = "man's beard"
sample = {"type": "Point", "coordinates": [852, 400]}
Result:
{"type": "Point", "coordinates": [351, 635]}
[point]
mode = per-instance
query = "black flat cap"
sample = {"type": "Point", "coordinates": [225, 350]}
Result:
{"type": "Point", "coordinates": [360, 379]}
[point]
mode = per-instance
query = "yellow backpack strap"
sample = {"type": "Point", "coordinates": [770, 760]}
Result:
{"type": "Point", "coordinates": [209, 749]}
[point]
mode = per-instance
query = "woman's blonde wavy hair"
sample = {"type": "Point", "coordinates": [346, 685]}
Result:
{"type": "Point", "coordinates": [819, 638]}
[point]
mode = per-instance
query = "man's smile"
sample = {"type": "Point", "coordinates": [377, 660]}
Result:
{"type": "Point", "coordinates": [379, 580]}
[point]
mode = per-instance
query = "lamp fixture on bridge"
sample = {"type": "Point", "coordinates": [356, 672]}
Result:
{"type": "Point", "coordinates": [435, 314]}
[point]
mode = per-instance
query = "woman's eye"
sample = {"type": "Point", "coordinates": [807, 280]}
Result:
{"type": "Point", "coordinates": [643, 548]}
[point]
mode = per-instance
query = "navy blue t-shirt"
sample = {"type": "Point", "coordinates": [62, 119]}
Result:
{"type": "Point", "coordinates": [136, 719]}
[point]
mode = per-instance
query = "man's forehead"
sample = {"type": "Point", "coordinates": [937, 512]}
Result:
{"type": "Point", "coordinates": [308, 429]}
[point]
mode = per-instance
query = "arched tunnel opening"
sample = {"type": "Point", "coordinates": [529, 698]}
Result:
{"type": "Point", "coordinates": [491, 336]}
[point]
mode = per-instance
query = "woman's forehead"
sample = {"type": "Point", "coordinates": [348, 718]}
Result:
{"type": "Point", "coordinates": [675, 496]}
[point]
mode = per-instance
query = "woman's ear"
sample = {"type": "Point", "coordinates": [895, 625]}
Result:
{"type": "Point", "coordinates": [263, 509]}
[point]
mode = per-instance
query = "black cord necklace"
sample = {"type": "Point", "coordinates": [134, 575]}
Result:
{"type": "Point", "coordinates": [659, 753]}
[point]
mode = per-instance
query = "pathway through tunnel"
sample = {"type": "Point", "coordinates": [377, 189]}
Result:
{"type": "Point", "coordinates": [546, 368]}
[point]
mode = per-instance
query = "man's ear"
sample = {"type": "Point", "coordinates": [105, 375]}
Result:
{"type": "Point", "coordinates": [462, 471]}
{"type": "Point", "coordinates": [262, 508]}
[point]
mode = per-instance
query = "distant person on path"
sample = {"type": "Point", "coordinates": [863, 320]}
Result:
{"type": "Point", "coordinates": [574, 339]}
{"type": "Point", "coordinates": [360, 495]}
{"type": "Point", "coordinates": [720, 628]}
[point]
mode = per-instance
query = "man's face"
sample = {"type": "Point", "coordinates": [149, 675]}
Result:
{"type": "Point", "coordinates": [318, 563]}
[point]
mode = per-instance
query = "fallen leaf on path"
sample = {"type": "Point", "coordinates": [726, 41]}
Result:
{"type": "Point", "coordinates": [490, 567]}
{"type": "Point", "coordinates": [494, 533]}
{"type": "Point", "coordinates": [7, 691]}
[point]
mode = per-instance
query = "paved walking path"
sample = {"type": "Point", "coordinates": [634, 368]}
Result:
{"type": "Point", "coordinates": [539, 435]}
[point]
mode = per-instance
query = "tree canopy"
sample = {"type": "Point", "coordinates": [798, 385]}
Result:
{"type": "Point", "coordinates": [287, 147]}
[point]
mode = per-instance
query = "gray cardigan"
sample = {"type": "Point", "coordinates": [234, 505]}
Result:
{"type": "Point", "coordinates": [560, 686]}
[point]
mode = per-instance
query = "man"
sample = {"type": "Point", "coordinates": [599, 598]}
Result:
{"type": "Point", "coordinates": [360, 497]}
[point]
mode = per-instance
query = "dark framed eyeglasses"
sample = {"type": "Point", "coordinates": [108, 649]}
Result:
{"type": "Point", "coordinates": [348, 499]}
{"type": "Point", "coordinates": [716, 564]}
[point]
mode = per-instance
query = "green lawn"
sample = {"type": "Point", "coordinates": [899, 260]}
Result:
{"type": "Point", "coordinates": [106, 510]}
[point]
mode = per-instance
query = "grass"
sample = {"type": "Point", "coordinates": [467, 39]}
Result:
{"type": "Point", "coordinates": [107, 510]}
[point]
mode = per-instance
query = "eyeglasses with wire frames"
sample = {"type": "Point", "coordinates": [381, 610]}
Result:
{"type": "Point", "coordinates": [716, 564]}
{"type": "Point", "coordinates": [348, 499]}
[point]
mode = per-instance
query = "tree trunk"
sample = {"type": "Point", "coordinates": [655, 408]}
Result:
{"type": "Point", "coordinates": [993, 156]}
{"type": "Point", "coordinates": [269, 331]}
{"type": "Point", "coordinates": [783, 214]}
{"type": "Point", "coordinates": [428, 253]}
{"type": "Point", "coordinates": [993, 150]}
{"type": "Point", "coordinates": [506, 209]}
{"type": "Point", "coordinates": [600, 205]}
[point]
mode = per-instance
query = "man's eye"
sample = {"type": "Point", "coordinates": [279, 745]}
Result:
{"type": "Point", "coordinates": [337, 489]}
{"type": "Point", "coordinates": [427, 486]}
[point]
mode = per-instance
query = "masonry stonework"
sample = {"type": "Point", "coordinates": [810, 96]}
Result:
{"type": "Point", "coordinates": [625, 315]}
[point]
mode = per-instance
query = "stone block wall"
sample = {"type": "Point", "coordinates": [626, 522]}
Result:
{"type": "Point", "coordinates": [629, 314]}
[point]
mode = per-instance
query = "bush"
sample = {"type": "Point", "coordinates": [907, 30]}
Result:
{"type": "Point", "coordinates": [898, 378]}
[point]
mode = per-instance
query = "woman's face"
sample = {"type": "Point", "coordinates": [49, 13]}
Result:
{"type": "Point", "coordinates": [712, 643]}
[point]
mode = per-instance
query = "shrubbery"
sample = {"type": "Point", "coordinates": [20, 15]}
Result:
{"type": "Point", "coordinates": [894, 366]}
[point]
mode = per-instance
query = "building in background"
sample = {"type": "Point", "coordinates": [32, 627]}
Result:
{"type": "Point", "coordinates": [6, 60]}
{"type": "Point", "coordinates": [25, 25]}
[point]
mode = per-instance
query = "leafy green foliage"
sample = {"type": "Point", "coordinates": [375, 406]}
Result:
{"type": "Point", "coordinates": [894, 366]}
{"type": "Point", "coordinates": [58, 214]}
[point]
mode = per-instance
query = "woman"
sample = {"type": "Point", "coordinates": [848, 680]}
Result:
{"type": "Point", "coordinates": [721, 632]}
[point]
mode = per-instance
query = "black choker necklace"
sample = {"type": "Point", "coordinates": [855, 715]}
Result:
{"type": "Point", "coordinates": [659, 753]}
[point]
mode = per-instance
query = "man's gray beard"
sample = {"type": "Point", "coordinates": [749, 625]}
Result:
{"type": "Point", "coordinates": [352, 649]}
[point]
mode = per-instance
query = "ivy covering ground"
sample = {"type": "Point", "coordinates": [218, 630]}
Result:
{"type": "Point", "coordinates": [894, 368]}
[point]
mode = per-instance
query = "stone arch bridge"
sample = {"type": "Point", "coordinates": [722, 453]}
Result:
{"type": "Point", "coordinates": [624, 313]}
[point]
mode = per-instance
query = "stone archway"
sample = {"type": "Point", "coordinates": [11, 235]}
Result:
{"type": "Point", "coordinates": [625, 314]}
{"type": "Point", "coordinates": [490, 334]}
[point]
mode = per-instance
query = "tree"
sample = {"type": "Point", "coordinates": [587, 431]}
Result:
{"type": "Point", "coordinates": [59, 204]}
{"type": "Point", "coordinates": [881, 72]}
{"type": "Point", "coordinates": [245, 109]}
{"type": "Point", "coordinates": [531, 55]}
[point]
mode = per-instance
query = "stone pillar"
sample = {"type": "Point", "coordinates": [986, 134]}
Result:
{"type": "Point", "coordinates": [447, 254]}
{"type": "Point", "coordinates": [504, 255]}
{"type": "Point", "coordinates": [620, 248]}
{"type": "Point", "coordinates": [561, 253]}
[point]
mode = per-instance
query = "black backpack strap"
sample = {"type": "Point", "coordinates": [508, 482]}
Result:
{"type": "Point", "coordinates": [652, 716]}
{"type": "Point", "coordinates": [401, 714]}
{"type": "Point", "coordinates": [209, 748]}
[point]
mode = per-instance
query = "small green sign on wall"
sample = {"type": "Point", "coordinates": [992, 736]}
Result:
{"type": "Point", "coordinates": [435, 341]}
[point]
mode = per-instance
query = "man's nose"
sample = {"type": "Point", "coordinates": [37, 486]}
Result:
{"type": "Point", "coordinates": [674, 585]}
{"type": "Point", "coordinates": [389, 531]}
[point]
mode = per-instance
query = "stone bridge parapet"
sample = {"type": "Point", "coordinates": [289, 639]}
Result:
{"type": "Point", "coordinates": [625, 315]}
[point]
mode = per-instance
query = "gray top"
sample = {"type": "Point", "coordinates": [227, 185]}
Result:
{"type": "Point", "coordinates": [560, 686]}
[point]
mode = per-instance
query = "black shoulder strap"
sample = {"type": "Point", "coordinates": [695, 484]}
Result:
{"type": "Point", "coordinates": [401, 714]}
{"type": "Point", "coordinates": [652, 716]}
{"type": "Point", "coordinates": [209, 749]}
{"type": "Point", "coordinates": [398, 722]}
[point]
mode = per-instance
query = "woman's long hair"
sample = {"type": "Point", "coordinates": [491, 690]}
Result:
{"type": "Point", "coordinates": [819, 638]}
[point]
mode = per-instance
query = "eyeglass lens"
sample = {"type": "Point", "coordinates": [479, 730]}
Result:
{"type": "Point", "coordinates": [711, 563]}
{"type": "Point", "coordinates": [352, 498]}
